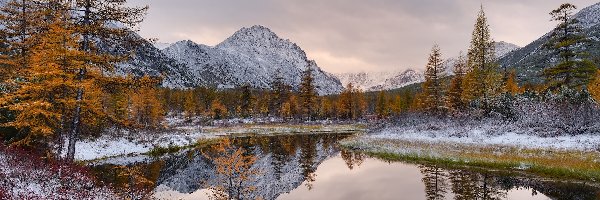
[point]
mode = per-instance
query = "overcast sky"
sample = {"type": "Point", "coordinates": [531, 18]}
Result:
{"type": "Point", "coordinates": [354, 35]}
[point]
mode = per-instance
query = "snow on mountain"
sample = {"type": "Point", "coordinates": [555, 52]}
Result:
{"type": "Point", "coordinates": [162, 45]}
{"type": "Point", "coordinates": [589, 16]}
{"type": "Point", "coordinates": [532, 59]}
{"type": "Point", "coordinates": [503, 48]}
{"type": "Point", "coordinates": [376, 81]}
{"type": "Point", "coordinates": [250, 56]}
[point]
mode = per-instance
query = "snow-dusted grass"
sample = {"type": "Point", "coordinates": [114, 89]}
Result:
{"type": "Point", "coordinates": [488, 133]}
{"type": "Point", "coordinates": [24, 175]}
{"type": "Point", "coordinates": [486, 143]}
{"type": "Point", "coordinates": [182, 133]}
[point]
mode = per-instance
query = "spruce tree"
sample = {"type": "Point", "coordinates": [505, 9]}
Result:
{"type": "Point", "coordinates": [246, 101]}
{"type": "Point", "coordinates": [280, 93]}
{"type": "Point", "coordinates": [573, 70]}
{"type": "Point", "coordinates": [307, 94]}
{"type": "Point", "coordinates": [433, 88]}
{"type": "Point", "coordinates": [483, 81]}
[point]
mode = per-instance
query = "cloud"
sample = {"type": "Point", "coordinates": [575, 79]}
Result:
{"type": "Point", "coordinates": [353, 35]}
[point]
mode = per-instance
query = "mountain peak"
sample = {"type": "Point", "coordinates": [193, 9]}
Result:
{"type": "Point", "coordinates": [256, 34]}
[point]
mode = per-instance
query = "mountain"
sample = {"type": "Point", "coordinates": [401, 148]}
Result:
{"type": "Point", "coordinates": [162, 45]}
{"type": "Point", "coordinates": [250, 56]}
{"type": "Point", "coordinates": [376, 81]}
{"type": "Point", "coordinates": [503, 48]}
{"type": "Point", "coordinates": [531, 60]}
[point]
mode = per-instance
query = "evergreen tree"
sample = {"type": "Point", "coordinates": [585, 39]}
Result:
{"type": "Point", "coordinates": [433, 89]}
{"type": "Point", "coordinates": [246, 101]}
{"type": "Point", "coordinates": [573, 71]}
{"type": "Point", "coordinates": [308, 94]}
{"type": "Point", "coordinates": [280, 93]}
{"type": "Point", "coordinates": [381, 108]}
{"type": "Point", "coordinates": [483, 81]}
{"type": "Point", "coordinates": [455, 90]}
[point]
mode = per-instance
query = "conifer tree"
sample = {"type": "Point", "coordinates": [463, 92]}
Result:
{"type": "Point", "coordinates": [99, 22]}
{"type": "Point", "coordinates": [594, 87]}
{"type": "Point", "coordinates": [511, 86]}
{"type": "Point", "coordinates": [46, 85]}
{"type": "Point", "coordinates": [280, 93]}
{"type": "Point", "coordinates": [308, 94]}
{"type": "Point", "coordinates": [381, 108]}
{"type": "Point", "coordinates": [573, 71]}
{"type": "Point", "coordinates": [22, 22]}
{"type": "Point", "coordinates": [455, 90]}
{"type": "Point", "coordinates": [147, 109]}
{"type": "Point", "coordinates": [433, 89]}
{"type": "Point", "coordinates": [483, 81]}
{"type": "Point", "coordinates": [246, 101]}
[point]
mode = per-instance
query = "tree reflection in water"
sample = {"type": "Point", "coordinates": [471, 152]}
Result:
{"type": "Point", "coordinates": [234, 171]}
{"type": "Point", "coordinates": [287, 162]}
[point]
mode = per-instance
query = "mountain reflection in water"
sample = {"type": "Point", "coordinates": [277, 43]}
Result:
{"type": "Point", "coordinates": [313, 167]}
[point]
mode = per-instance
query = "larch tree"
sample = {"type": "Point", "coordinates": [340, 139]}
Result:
{"type": "Point", "coordinates": [45, 85]}
{"type": "Point", "coordinates": [594, 87]}
{"type": "Point", "coordinates": [573, 70]}
{"type": "Point", "coordinates": [308, 94]}
{"type": "Point", "coordinates": [22, 22]}
{"type": "Point", "coordinates": [147, 110]}
{"type": "Point", "coordinates": [455, 90]}
{"type": "Point", "coordinates": [101, 24]}
{"type": "Point", "coordinates": [483, 81]}
{"type": "Point", "coordinates": [511, 86]}
{"type": "Point", "coordinates": [433, 87]}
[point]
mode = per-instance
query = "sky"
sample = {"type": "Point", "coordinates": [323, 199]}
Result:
{"type": "Point", "coordinates": [354, 35]}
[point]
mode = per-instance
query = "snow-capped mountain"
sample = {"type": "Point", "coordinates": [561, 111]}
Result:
{"type": "Point", "coordinates": [503, 48]}
{"type": "Point", "coordinates": [531, 60]}
{"type": "Point", "coordinates": [250, 56]}
{"type": "Point", "coordinates": [376, 81]}
{"type": "Point", "coordinates": [162, 45]}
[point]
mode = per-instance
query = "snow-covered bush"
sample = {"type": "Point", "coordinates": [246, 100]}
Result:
{"type": "Point", "coordinates": [23, 175]}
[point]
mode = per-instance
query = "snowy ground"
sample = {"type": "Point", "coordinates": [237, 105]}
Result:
{"type": "Point", "coordinates": [486, 135]}
{"type": "Point", "coordinates": [181, 133]}
{"type": "Point", "coordinates": [24, 176]}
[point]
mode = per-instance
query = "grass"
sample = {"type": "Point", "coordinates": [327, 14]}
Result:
{"type": "Point", "coordinates": [276, 129]}
{"type": "Point", "coordinates": [551, 163]}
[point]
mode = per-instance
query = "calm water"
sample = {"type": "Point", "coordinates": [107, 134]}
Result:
{"type": "Point", "coordinates": [313, 167]}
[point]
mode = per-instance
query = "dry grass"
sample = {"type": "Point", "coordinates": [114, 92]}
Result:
{"type": "Point", "coordinates": [551, 163]}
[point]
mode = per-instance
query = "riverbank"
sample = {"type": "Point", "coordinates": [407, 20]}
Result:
{"type": "Point", "coordinates": [123, 142]}
{"type": "Point", "coordinates": [486, 145]}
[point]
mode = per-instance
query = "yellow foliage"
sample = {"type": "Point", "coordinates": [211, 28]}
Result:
{"type": "Point", "coordinates": [234, 168]}
{"type": "Point", "coordinates": [594, 87]}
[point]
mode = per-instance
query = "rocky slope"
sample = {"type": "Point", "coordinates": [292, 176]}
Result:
{"type": "Point", "coordinates": [376, 81]}
{"type": "Point", "coordinates": [250, 56]}
{"type": "Point", "coordinates": [531, 60]}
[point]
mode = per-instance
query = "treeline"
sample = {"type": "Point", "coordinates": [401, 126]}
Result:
{"type": "Point", "coordinates": [480, 84]}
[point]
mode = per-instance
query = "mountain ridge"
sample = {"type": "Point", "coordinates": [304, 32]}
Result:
{"type": "Point", "coordinates": [251, 56]}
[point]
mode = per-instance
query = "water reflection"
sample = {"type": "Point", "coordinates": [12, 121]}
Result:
{"type": "Point", "coordinates": [314, 167]}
